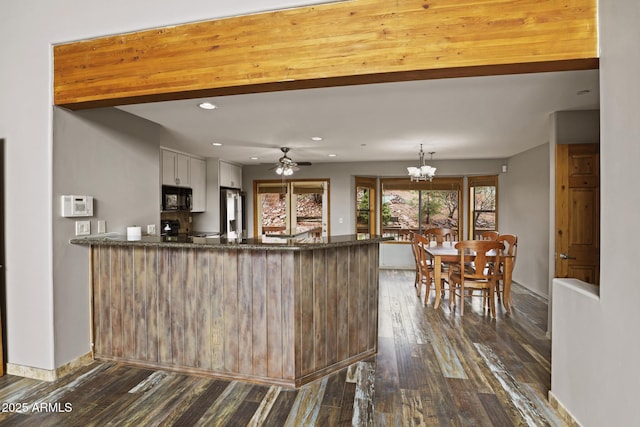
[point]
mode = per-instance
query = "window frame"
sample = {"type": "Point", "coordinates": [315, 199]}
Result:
{"type": "Point", "coordinates": [480, 181]}
{"type": "Point", "coordinates": [371, 184]}
{"type": "Point", "coordinates": [455, 183]}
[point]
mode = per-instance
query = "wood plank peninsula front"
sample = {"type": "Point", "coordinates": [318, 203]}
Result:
{"type": "Point", "coordinates": [272, 311]}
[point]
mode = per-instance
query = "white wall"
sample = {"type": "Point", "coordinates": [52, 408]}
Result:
{"type": "Point", "coordinates": [27, 30]}
{"type": "Point", "coordinates": [114, 157]}
{"type": "Point", "coordinates": [594, 374]}
{"type": "Point", "coordinates": [524, 211]}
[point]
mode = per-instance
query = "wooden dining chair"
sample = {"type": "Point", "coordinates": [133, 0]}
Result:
{"type": "Point", "coordinates": [438, 234]}
{"type": "Point", "coordinates": [464, 280]}
{"type": "Point", "coordinates": [426, 266]}
{"type": "Point", "coordinates": [489, 235]}
{"type": "Point", "coordinates": [510, 242]}
{"type": "Point", "coordinates": [423, 266]}
{"type": "Point", "coordinates": [415, 249]}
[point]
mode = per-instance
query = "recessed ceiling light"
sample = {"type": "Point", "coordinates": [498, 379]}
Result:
{"type": "Point", "coordinates": [316, 138]}
{"type": "Point", "coordinates": [254, 158]}
{"type": "Point", "coordinates": [217, 144]}
{"type": "Point", "coordinates": [332, 155]}
{"type": "Point", "coordinates": [207, 106]}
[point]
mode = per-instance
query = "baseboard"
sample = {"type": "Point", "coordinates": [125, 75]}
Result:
{"type": "Point", "coordinates": [48, 374]}
{"type": "Point", "coordinates": [563, 412]}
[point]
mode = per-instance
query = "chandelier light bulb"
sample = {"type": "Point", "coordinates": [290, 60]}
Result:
{"type": "Point", "coordinates": [423, 172]}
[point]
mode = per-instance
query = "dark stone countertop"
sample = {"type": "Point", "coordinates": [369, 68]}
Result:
{"type": "Point", "coordinates": [259, 243]}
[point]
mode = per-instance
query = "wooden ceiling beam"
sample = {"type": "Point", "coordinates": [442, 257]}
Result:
{"type": "Point", "coordinates": [355, 42]}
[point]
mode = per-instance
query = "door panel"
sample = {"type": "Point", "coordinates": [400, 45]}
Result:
{"type": "Point", "coordinates": [311, 208]}
{"type": "Point", "coordinates": [292, 207]}
{"type": "Point", "coordinates": [578, 212]}
{"type": "Point", "coordinates": [271, 208]}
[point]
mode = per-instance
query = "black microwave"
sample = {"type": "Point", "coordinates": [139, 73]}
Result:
{"type": "Point", "coordinates": [176, 198]}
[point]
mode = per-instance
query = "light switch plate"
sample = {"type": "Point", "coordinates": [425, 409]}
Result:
{"type": "Point", "coordinates": [83, 228]}
{"type": "Point", "coordinates": [102, 226]}
{"type": "Point", "coordinates": [151, 229]}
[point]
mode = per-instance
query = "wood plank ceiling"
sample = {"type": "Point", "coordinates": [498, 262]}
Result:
{"type": "Point", "coordinates": [354, 42]}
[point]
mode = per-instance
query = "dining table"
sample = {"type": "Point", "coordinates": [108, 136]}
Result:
{"type": "Point", "coordinates": [446, 252]}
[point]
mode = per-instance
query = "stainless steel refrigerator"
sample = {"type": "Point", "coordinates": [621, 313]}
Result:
{"type": "Point", "coordinates": [232, 213]}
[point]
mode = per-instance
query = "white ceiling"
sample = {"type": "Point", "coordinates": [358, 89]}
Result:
{"type": "Point", "coordinates": [462, 118]}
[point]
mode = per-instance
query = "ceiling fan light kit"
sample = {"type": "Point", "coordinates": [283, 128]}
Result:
{"type": "Point", "coordinates": [284, 170]}
{"type": "Point", "coordinates": [286, 166]}
{"type": "Point", "coordinates": [423, 172]}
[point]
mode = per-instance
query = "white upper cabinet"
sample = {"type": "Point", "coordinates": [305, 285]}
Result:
{"type": "Point", "coordinates": [230, 175]}
{"type": "Point", "coordinates": [182, 170]}
{"type": "Point", "coordinates": [198, 178]}
{"type": "Point", "coordinates": [175, 169]}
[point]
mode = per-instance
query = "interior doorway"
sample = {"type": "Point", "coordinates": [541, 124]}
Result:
{"type": "Point", "coordinates": [577, 245]}
{"type": "Point", "coordinates": [291, 208]}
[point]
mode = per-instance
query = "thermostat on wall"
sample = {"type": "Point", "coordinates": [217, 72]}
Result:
{"type": "Point", "coordinates": [77, 206]}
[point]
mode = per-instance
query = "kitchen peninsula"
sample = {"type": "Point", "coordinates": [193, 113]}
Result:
{"type": "Point", "coordinates": [273, 311]}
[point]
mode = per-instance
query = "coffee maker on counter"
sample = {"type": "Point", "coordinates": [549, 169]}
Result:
{"type": "Point", "coordinates": [169, 227]}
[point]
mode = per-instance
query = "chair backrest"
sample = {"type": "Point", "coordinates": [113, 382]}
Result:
{"type": "Point", "coordinates": [439, 235]}
{"type": "Point", "coordinates": [414, 247]}
{"type": "Point", "coordinates": [487, 253]}
{"type": "Point", "coordinates": [421, 255]}
{"type": "Point", "coordinates": [510, 242]}
{"type": "Point", "coordinates": [489, 235]}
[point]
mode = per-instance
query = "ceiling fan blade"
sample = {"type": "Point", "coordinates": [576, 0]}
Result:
{"type": "Point", "coordinates": [304, 163]}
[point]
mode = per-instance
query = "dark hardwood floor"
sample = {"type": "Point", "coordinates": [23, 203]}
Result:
{"type": "Point", "coordinates": [432, 368]}
{"type": "Point", "coordinates": [436, 368]}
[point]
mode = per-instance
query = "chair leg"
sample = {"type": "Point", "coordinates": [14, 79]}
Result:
{"type": "Point", "coordinates": [427, 291]}
{"type": "Point", "coordinates": [492, 302]}
{"type": "Point", "coordinates": [462, 299]}
{"type": "Point", "coordinates": [452, 294]}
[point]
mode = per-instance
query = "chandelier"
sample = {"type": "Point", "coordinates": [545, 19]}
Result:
{"type": "Point", "coordinates": [423, 172]}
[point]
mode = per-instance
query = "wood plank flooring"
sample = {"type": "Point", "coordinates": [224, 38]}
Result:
{"type": "Point", "coordinates": [432, 368]}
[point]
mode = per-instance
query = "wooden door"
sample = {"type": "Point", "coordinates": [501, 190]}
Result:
{"type": "Point", "coordinates": [577, 242]}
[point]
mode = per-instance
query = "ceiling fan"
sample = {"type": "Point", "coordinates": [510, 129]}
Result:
{"type": "Point", "coordinates": [286, 166]}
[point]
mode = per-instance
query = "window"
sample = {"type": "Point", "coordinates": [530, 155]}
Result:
{"type": "Point", "coordinates": [365, 206]}
{"type": "Point", "coordinates": [416, 206]}
{"type": "Point", "coordinates": [483, 205]}
{"type": "Point", "coordinates": [292, 207]}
